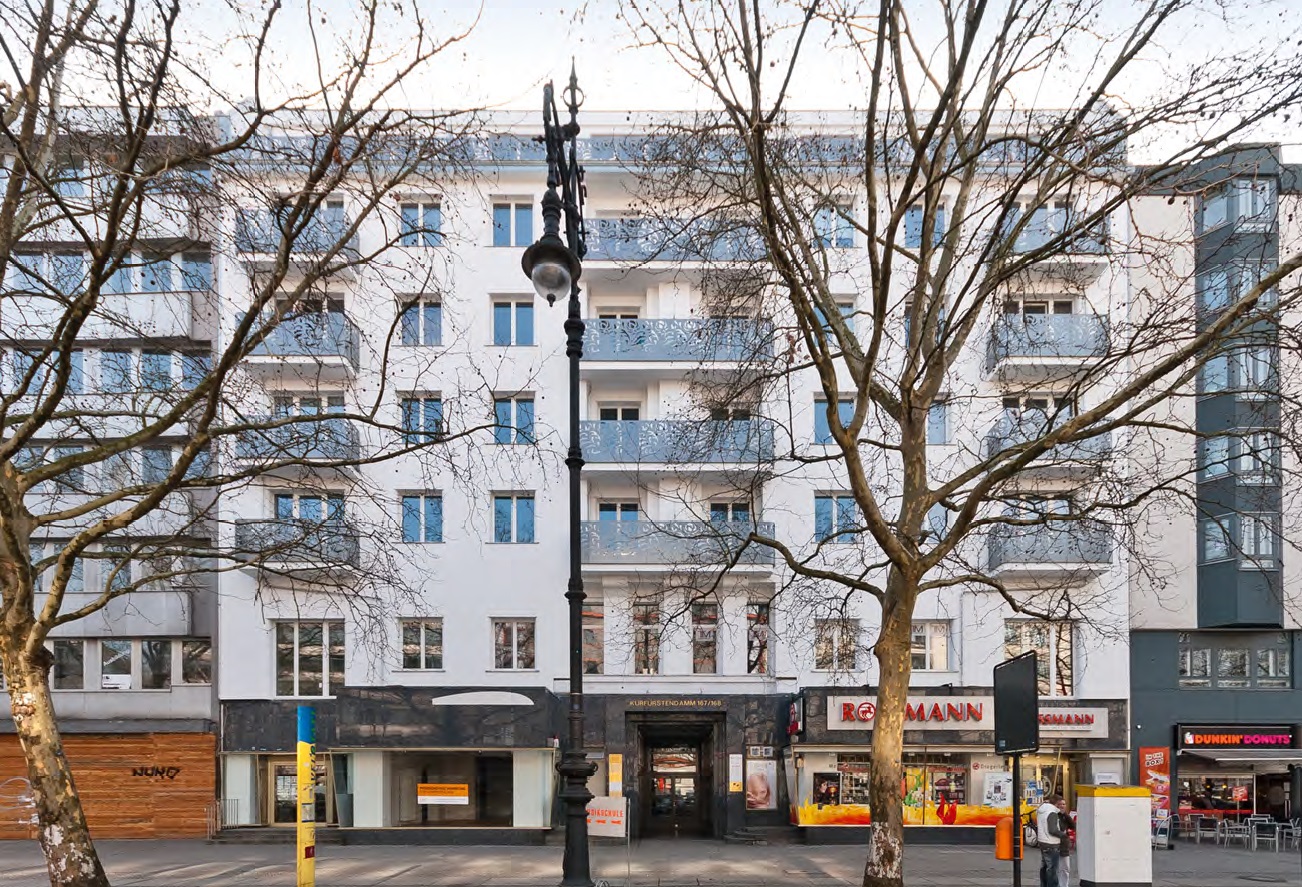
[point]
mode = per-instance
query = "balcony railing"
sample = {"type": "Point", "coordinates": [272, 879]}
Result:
{"type": "Point", "coordinates": [1047, 337]}
{"type": "Point", "coordinates": [259, 231]}
{"type": "Point", "coordinates": [673, 543]}
{"type": "Point", "coordinates": [1028, 427]}
{"type": "Point", "coordinates": [1046, 226]}
{"type": "Point", "coordinates": [325, 439]}
{"type": "Point", "coordinates": [677, 441]}
{"type": "Point", "coordinates": [320, 335]}
{"type": "Point", "coordinates": [1066, 544]}
{"type": "Point", "coordinates": [695, 339]}
{"type": "Point", "coordinates": [642, 240]}
{"type": "Point", "coordinates": [288, 541]}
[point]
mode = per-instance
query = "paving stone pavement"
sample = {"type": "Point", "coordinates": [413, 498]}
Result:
{"type": "Point", "coordinates": [666, 863]}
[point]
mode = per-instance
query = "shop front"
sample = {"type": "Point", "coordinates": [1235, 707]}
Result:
{"type": "Point", "coordinates": [1233, 771]}
{"type": "Point", "coordinates": [434, 763]}
{"type": "Point", "coordinates": [952, 782]}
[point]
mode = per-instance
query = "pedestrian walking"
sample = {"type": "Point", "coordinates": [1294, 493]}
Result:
{"type": "Point", "coordinates": [1066, 845]}
{"type": "Point", "coordinates": [1049, 838]}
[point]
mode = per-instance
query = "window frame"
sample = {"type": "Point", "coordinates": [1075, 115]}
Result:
{"type": "Point", "coordinates": [422, 418]}
{"type": "Point", "coordinates": [422, 317]}
{"type": "Point", "coordinates": [705, 637]}
{"type": "Point", "coordinates": [822, 428]}
{"type": "Point", "coordinates": [647, 628]}
{"type": "Point", "coordinates": [422, 624]}
{"type": "Point", "coordinates": [837, 531]}
{"type": "Point", "coordinates": [513, 234]}
{"type": "Point", "coordinates": [516, 519]}
{"type": "Point", "coordinates": [428, 516]}
{"type": "Point", "coordinates": [516, 308]}
{"type": "Point", "coordinates": [840, 636]}
{"type": "Point", "coordinates": [417, 232]}
{"type": "Point", "coordinates": [930, 631]}
{"type": "Point", "coordinates": [1055, 644]}
{"type": "Point", "coordinates": [759, 638]}
{"type": "Point", "coordinates": [516, 645]}
{"type": "Point", "coordinates": [509, 429]}
{"type": "Point", "coordinates": [327, 627]}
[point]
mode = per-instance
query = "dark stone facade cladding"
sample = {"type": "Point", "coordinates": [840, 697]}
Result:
{"type": "Point", "coordinates": [271, 725]}
{"type": "Point", "coordinates": [817, 733]}
{"type": "Point", "coordinates": [409, 717]}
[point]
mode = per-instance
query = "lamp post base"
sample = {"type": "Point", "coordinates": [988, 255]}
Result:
{"type": "Point", "coordinates": [575, 770]}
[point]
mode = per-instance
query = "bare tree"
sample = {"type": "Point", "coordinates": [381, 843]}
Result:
{"type": "Point", "coordinates": [885, 245]}
{"type": "Point", "coordinates": [122, 192]}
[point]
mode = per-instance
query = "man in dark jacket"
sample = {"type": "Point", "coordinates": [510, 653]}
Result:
{"type": "Point", "coordinates": [1049, 837]}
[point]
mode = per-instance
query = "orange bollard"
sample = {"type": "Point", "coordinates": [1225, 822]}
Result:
{"type": "Point", "coordinates": [1007, 841]}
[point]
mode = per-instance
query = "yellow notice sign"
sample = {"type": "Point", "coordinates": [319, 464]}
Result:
{"type": "Point", "coordinates": [443, 793]}
{"type": "Point", "coordinates": [615, 765]}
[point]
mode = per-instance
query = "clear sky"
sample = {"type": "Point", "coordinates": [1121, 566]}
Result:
{"type": "Point", "coordinates": [512, 46]}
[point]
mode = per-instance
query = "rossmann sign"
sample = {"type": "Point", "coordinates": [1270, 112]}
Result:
{"type": "Point", "coordinates": [1236, 737]}
{"type": "Point", "coordinates": [920, 713]}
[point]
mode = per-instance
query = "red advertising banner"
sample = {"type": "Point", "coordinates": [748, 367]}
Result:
{"type": "Point", "coordinates": [1155, 768]}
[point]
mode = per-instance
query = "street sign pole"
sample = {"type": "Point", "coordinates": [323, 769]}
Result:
{"type": "Point", "coordinates": [306, 858]}
{"type": "Point", "coordinates": [1019, 839]}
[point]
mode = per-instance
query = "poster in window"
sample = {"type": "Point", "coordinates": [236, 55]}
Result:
{"type": "Point", "coordinates": [761, 784]}
{"type": "Point", "coordinates": [998, 788]}
{"type": "Point", "coordinates": [827, 789]}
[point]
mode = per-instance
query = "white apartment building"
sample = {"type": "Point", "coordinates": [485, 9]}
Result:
{"type": "Point", "coordinates": [432, 639]}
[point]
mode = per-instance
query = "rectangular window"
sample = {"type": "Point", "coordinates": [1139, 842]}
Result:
{"type": "Point", "coordinates": [309, 658]}
{"type": "Point", "coordinates": [512, 224]}
{"type": "Point", "coordinates": [1214, 375]}
{"type": "Point", "coordinates": [422, 420]}
{"type": "Point", "coordinates": [705, 638]}
{"type": "Point", "coordinates": [421, 323]}
{"type": "Point", "coordinates": [1214, 456]}
{"type": "Point", "coordinates": [836, 644]}
{"type": "Point", "coordinates": [1054, 645]}
{"type": "Point", "coordinates": [836, 518]}
{"type": "Point", "coordinates": [1273, 668]}
{"type": "Point", "coordinates": [156, 665]}
{"type": "Point", "coordinates": [594, 637]}
{"type": "Point", "coordinates": [618, 511]}
{"type": "Point", "coordinates": [1195, 667]}
{"type": "Point", "coordinates": [422, 224]}
{"type": "Point", "coordinates": [422, 517]}
{"type": "Point", "coordinates": [115, 664]}
{"type": "Point", "coordinates": [116, 567]}
{"type": "Point", "coordinates": [156, 464]}
{"type": "Point", "coordinates": [156, 274]}
{"type": "Point", "coordinates": [1215, 538]}
{"type": "Point", "coordinates": [913, 220]}
{"type": "Point", "coordinates": [833, 226]}
{"type": "Point", "coordinates": [513, 644]}
{"type": "Point", "coordinates": [513, 418]}
{"type": "Point", "coordinates": [938, 423]}
{"type": "Point", "coordinates": [156, 371]}
{"type": "Point", "coordinates": [311, 508]}
{"type": "Point", "coordinates": [1258, 458]}
{"type": "Point", "coordinates": [69, 669]}
{"type": "Point", "coordinates": [117, 372]}
{"type": "Point", "coordinates": [68, 272]}
{"type": "Point", "coordinates": [1214, 290]}
{"type": "Point", "coordinates": [730, 513]}
{"type": "Point", "coordinates": [1232, 668]}
{"type": "Point", "coordinates": [822, 429]}
{"type": "Point", "coordinates": [513, 323]}
{"type": "Point", "coordinates": [646, 638]}
{"type": "Point", "coordinates": [196, 661]}
{"type": "Point", "coordinates": [1257, 535]}
{"type": "Point", "coordinates": [929, 647]}
{"type": "Point", "coordinates": [759, 628]}
{"type": "Point", "coordinates": [194, 369]}
{"type": "Point", "coordinates": [1254, 369]}
{"type": "Point", "coordinates": [422, 643]}
{"type": "Point", "coordinates": [513, 517]}
{"type": "Point", "coordinates": [196, 272]}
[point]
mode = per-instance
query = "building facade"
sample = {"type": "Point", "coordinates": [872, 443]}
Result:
{"type": "Point", "coordinates": [1213, 645]}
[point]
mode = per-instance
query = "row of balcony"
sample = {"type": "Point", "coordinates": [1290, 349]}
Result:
{"type": "Point", "coordinates": [260, 232]}
{"type": "Point", "coordinates": [1054, 550]}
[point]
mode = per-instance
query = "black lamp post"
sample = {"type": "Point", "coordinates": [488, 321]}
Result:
{"type": "Point", "coordinates": [554, 266]}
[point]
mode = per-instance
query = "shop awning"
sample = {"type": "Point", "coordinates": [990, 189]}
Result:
{"type": "Point", "coordinates": [1248, 755]}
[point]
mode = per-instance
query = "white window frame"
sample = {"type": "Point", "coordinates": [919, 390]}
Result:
{"type": "Point", "coordinates": [422, 623]}
{"type": "Point", "coordinates": [1053, 641]}
{"type": "Point", "coordinates": [327, 691]}
{"type": "Point", "coordinates": [933, 633]}
{"type": "Point", "coordinates": [1258, 539]}
{"type": "Point", "coordinates": [843, 634]}
{"type": "Point", "coordinates": [1214, 456]}
{"type": "Point", "coordinates": [1215, 539]}
{"type": "Point", "coordinates": [515, 622]}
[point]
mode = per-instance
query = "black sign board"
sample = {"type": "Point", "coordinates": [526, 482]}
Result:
{"type": "Point", "coordinates": [1017, 706]}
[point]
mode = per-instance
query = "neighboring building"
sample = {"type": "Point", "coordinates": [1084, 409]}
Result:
{"type": "Point", "coordinates": [1214, 645]}
{"type": "Point", "coordinates": [133, 682]}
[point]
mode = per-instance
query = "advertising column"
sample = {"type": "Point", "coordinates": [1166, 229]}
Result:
{"type": "Point", "coordinates": [306, 858]}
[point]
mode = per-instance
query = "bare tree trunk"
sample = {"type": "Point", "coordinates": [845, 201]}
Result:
{"type": "Point", "coordinates": [61, 823]}
{"type": "Point", "coordinates": [885, 866]}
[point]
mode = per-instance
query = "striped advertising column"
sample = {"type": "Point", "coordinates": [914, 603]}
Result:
{"type": "Point", "coordinates": [306, 859]}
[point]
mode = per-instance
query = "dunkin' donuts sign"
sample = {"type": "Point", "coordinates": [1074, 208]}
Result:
{"type": "Point", "coordinates": [1236, 737]}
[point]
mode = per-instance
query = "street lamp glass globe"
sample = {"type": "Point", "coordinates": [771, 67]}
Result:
{"type": "Point", "coordinates": [551, 279]}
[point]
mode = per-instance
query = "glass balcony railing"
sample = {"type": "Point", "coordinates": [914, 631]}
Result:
{"type": "Point", "coordinates": [1046, 337]}
{"type": "Point", "coordinates": [695, 339]}
{"type": "Point", "coordinates": [643, 240]}
{"type": "Point", "coordinates": [672, 543]}
{"type": "Point", "coordinates": [676, 441]}
{"type": "Point", "coordinates": [1028, 427]}
{"type": "Point", "coordinates": [319, 334]}
{"type": "Point", "coordinates": [259, 231]}
{"type": "Point", "coordinates": [1045, 226]}
{"type": "Point", "coordinates": [326, 439]}
{"type": "Point", "coordinates": [1065, 544]}
{"type": "Point", "coordinates": [287, 541]}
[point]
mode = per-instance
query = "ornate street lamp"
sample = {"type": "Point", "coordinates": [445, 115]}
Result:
{"type": "Point", "coordinates": [554, 266]}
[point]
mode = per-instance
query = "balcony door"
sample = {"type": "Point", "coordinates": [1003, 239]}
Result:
{"type": "Point", "coordinates": [618, 511]}
{"type": "Point", "coordinates": [1028, 308]}
{"type": "Point", "coordinates": [310, 507]}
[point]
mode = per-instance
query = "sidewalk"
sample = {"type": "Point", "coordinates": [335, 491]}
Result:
{"type": "Point", "coordinates": [667, 863]}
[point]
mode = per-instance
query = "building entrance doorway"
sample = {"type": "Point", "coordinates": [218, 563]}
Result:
{"type": "Point", "coordinates": [677, 775]}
